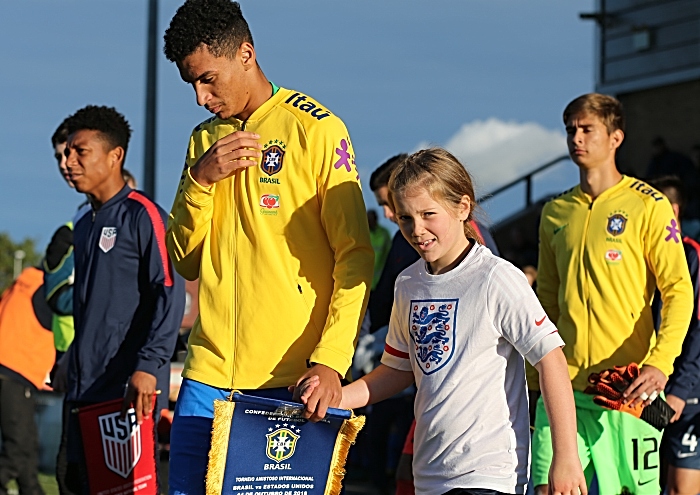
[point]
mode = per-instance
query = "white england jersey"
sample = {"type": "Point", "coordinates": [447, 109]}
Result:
{"type": "Point", "coordinates": [464, 334]}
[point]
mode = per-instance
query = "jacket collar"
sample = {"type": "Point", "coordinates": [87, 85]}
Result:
{"type": "Point", "coordinates": [117, 198]}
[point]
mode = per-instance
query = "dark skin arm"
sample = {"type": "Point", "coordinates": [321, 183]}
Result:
{"type": "Point", "coordinates": [140, 392]}
{"type": "Point", "coordinates": [650, 379]}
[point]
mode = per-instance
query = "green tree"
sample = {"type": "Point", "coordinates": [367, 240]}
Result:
{"type": "Point", "coordinates": [8, 247]}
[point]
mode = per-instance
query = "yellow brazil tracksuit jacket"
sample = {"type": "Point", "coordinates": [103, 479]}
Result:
{"type": "Point", "coordinates": [281, 249]}
{"type": "Point", "coordinates": [599, 263]}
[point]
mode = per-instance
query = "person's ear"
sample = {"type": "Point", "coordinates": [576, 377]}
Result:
{"type": "Point", "coordinates": [246, 53]}
{"type": "Point", "coordinates": [116, 157]}
{"type": "Point", "coordinates": [465, 208]}
{"type": "Point", "coordinates": [617, 136]}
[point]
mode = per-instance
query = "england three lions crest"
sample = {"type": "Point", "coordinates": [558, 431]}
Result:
{"type": "Point", "coordinates": [108, 238]}
{"type": "Point", "coordinates": [433, 332]}
{"type": "Point", "coordinates": [121, 442]}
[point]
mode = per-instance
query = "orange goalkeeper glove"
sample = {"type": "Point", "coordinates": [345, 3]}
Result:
{"type": "Point", "coordinates": [608, 386]}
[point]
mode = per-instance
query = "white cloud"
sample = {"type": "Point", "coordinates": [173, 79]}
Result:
{"type": "Point", "coordinates": [496, 152]}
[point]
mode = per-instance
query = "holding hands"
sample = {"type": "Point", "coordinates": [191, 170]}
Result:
{"type": "Point", "coordinates": [318, 390]}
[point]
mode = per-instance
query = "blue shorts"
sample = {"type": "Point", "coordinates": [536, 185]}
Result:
{"type": "Point", "coordinates": [680, 445]}
{"type": "Point", "coordinates": [190, 436]}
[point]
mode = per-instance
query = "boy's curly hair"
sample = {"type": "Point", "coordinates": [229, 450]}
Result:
{"type": "Point", "coordinates": [110, 123]}
{"type": "Point", "coordinates": [218, 24]}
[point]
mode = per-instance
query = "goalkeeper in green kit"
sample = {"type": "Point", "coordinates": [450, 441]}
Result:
{"type": "Point", "coordinates": [605, 246]}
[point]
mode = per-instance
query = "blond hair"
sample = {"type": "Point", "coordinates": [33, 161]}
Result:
{"type": "Point", "coordinates": [444, 177]}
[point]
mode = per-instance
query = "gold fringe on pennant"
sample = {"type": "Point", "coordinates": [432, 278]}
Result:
{"type": "Point", "coordinates": [346, 437]}
{"type": "Point", "coordinates": [221, 430]}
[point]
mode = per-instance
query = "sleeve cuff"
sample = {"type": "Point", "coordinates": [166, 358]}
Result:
{"type": "Point", "coordinates": [661, 365]}
{"type": "Point", "coordinates": [677, 390]}
{"type": "Point", "coordinates": [195, 193]}
{"type": "Point", "coordinates": [332, 359]}
{"type": "Point", "coordinates": [543, 347]}
{"type": "Point", "coordinates": [147, 366]}
{"type": "Point", "coordinates": [396, 359]}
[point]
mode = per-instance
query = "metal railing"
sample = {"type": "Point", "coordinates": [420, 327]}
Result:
{"type": "Point", "coordinates": [527, 179]}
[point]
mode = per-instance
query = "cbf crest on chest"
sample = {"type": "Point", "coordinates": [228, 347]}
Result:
{"type": "Point", "coordinates": [433, 332]}
{"type": "Point", "coordinates": [108, 238]}
{"type": "Point", "coordinates": [272, 157]}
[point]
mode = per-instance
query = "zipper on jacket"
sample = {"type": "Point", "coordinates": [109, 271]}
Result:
{"type": "Point", "coordinates": [587, 282]}
{"type": "Point", "coordinates": [234, 297]}
{"type": "Point", "coordinates": [83, 296]}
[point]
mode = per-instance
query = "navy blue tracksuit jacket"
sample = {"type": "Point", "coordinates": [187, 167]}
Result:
{"type": "Point", "coordinates": [127, 300]}
{"type": "Point", "coordinates": [684, 383]}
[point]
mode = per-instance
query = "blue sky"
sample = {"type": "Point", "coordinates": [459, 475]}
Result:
{"type": "Point", "coordinates": [487, 78]}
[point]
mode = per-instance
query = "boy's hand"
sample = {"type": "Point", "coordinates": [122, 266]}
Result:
{"type": "Point", "coordinates": [608, 386]}
{"type": "Point", "coordinates": [566, 476]}
{"type": "Point", "coordinates": [677, 404]}
{"type": "Point", "coordinates": [140, 391]}
{"type": "Point", "coordinates": [649, 382]}
{"type": "Point", "coordinates": [229, 154]}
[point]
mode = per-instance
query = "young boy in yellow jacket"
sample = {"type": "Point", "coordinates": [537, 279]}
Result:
{"type": "Point", "coordinates": [269, 216]}
{"type": "Point", "coordinates": [605, 246]}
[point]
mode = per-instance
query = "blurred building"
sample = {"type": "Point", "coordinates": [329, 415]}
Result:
{"type": "Point", "coordinates": [648, 56]}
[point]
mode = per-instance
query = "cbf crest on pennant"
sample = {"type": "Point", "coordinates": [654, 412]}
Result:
{"type": "Point", "coordinates": [258, 439]}
{"type": "Point", "coordinates": [121, 441]}
{"type": "Point", "coordinates": [281, 444]}
{"type": "Point", "coordinates": [616, 224]}
{"type": "Point", "coordinates": [108, 238]}
{"type": "Point", "coordinates": [272, 158]}
{"type": "Point", "coordinates": [433, 332]}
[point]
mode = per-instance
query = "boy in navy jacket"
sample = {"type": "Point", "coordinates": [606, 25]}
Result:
{"type": "Point", "coordinates": [127, 300]}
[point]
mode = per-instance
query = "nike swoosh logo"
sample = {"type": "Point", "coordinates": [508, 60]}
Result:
{"type": "Point", "coordinates": [560, 228]}
{"type": "Point", "coordinates": [538, 323]}
{"type": "Point", "coordinates": [642, 483]}
{"type": "Point", "coordinates": [682, 455]}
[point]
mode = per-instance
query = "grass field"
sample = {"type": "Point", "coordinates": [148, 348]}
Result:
{"type": "Point", "coordinates": [47, 481]}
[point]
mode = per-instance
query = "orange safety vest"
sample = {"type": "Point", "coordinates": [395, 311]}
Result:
{"type": "Point", "coordinates": [26, 347]}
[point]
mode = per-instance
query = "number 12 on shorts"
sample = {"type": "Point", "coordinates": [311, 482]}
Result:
{"type": "Point", "coordinates": [646, 454]}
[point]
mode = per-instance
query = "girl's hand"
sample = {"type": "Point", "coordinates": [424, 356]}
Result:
{"type": "Point", "coordinates": [566, 476]}
{"type": "Point", "coordinates": [305, 389]}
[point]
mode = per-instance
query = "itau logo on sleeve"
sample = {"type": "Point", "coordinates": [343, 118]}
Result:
{"type": "Point", "coordinates": [121, 442]}
{"type": "Point", "coordinates": [108, 238]}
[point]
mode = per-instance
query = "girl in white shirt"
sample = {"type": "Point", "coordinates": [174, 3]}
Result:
{"type": "Point", "coordinates": [462, 323]}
